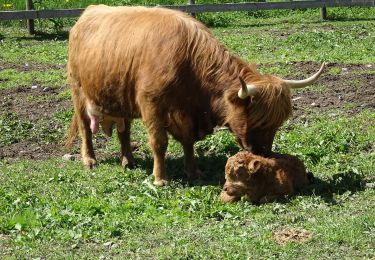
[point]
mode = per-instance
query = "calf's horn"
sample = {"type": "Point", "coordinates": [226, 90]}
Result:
{"type": "Point", "coordinates": [246, 90]}
{"type": "Point", "coordinates": [305, 82]}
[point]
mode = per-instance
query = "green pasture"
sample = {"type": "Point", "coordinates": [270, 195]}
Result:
{"type": "Point", "coordinates": [55, 209]}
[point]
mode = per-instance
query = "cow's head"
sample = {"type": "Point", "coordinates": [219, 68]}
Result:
{"type": "Point", "coordinates": [259, 107]}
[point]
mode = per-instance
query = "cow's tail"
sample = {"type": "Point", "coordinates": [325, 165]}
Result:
{"type": "Point", "coordinates": [72, 132]}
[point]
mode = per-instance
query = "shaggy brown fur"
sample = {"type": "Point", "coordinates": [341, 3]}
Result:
{"type": "Point", "coordinates": [167, 68]}
{"type": "Point", "coordinates": [261, 179]}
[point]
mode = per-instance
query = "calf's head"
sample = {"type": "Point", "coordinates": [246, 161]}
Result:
{"type": "Point", "coordinates": [241, 172]}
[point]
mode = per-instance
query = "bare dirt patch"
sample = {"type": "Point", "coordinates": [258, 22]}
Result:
{"type": "Point", "coordinates": [30, 66]}
{"type": "Point", "coordinates": [33, 103]}
{"type": "Point", "coordinates": [4, 237]}
{"type": "Point", "coordinates": [282, 237]}
{"type": "Point", "coordinates": [350, 90]}
{"type": "Point", "coordinates": [36, 106]}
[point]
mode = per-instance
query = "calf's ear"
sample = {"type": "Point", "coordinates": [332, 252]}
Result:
{"type": "Point", "coordinates": [254, 165]}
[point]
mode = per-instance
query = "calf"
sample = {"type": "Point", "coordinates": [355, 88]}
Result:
{"type": "Point", "coordinates": [260, 179]}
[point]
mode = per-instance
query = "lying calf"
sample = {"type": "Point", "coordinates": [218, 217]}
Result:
{"type": "Point", "coordinates": [260, 179]}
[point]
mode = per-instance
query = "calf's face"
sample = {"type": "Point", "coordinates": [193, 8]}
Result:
{"type": "Point", "coordinates": [239, 176]}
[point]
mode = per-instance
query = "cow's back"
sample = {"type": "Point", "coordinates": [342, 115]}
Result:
{"type": "Point", "coordinates": [294, 168]}
{"type": "Point", "coordinates": [117, 52]}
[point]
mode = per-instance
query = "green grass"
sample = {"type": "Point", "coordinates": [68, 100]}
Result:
{"type": "Point", "coordinates": [32, 50]}
{"type": "Point", "coordinates": [327, 42]}
{"type": "Point", "coordinates": [14, 130]}
{"type": "Point", "coordinates": [300, 37]}
{"type": "Point", "coordinates": [335, 71]}
{"type": "Point", "coordinates": [15, 78]}
{"type": "Point", "coordinates": [55, 209]}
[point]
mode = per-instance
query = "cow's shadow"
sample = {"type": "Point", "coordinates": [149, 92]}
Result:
{"type": "Point", "coordinates": [212, 167]}
{"type": "Point", "coordinates": [336, 184]}
{"type": "Point", "coordinates": [43, 36]}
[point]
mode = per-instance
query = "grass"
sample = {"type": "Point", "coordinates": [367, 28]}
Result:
{"type": "Point", "coordinates": [15, 78]}
{"type": "Point", "coordinates": [32, 50]}
{"type": "Point", "coordinates": [324, 43]}
{"type": "Point", "coordinates": [55, 209]}
{"type": "Point", "coordinates": [99, 212]}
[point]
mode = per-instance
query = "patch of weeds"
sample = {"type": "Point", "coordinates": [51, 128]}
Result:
{"type": "Point", "coordinates": [64, 117]}
{"type": "Point", "coordinates": [355, 83]}
{"type": "Point", "coordinates": [279, 70]}
{"type": "Point", "coordinates": [65, 94]}
{"type": "Point", "coordinates": [341, 44]}
{"type": "Point", "coordinates": [214, 19]}
{"type": "Point", "coordinates": [13, 129]}
{"type": "Point", "coordinates": [335, 71]}
{"type": "Point", "coordinates": [349, 105]}
{"type": "Point", "coordinates": [334, 141]}
{"type": "Point", "coordinates": [174, 147]}
{"type": "Point", "coordinates": [50, 78]}
{"type": "Point", "coordinates": [368, 71]}
{"type": "Point", "coordinates": [48, 131]}
{"type": "Point", "coordinates": [14, 50]}
{"type": "Point", "coordinates": [222, 142]}
{"type": "Point", "coordinates": [317, 88]}
{"type": "Point", "coordinates": [13, 78]}
{"type": "Point", "coordinates": [30, 98]}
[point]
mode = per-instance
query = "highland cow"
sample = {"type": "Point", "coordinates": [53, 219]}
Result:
{"type": "Point", "coordinates": [167, 68]}
{"type": "Point", "coordinates": [260, 179]}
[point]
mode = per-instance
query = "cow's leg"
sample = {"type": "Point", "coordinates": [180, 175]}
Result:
{"type": "Point", "coordinates": [83, 124]}
{"type": "Point", "coordinates": [87, 149]}
{"type": "Point", "coordinates": [123, 132]}
{"type": "Point", "coordinates": [158, 141]}
{"type": "Point", "coordinates": [190, 167]}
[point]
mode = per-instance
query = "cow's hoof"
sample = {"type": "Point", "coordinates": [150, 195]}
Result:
{"type": "Point", "coordinates": [89, 163]}
{"type": "Point", "coordinates": [161, 183]}
{"type": "Point", "coordinates": [125, 163]}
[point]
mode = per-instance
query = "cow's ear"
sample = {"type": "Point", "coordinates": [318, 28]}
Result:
{"type": "Point", "coordinates": [246, 90]}
{"type": "Point", "coordinates": [254, 165]}
{"type": "Point", "coordinates": [231, 95]}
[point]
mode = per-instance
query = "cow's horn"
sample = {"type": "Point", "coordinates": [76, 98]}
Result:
{"type": "Point", "coordinates": [246, 90]}
{"type": "Point", "coordinates": [305, 82]}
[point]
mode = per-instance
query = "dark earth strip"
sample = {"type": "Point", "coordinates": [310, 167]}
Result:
{"type": "Point", "coordinates": [30, 66]}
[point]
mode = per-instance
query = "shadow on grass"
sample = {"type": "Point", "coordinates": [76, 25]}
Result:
{"type": "Point", "coordinates": [337, 184]}
{"type": "Point", "coordinates": [212, 167]}
{"type": "Point", "coordinates": [42, 36]}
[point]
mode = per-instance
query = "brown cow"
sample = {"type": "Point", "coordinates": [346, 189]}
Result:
{"type": "Point", "coordinates": [167, 68]}
{"type": "Point", "coordinates": [260, 179]}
